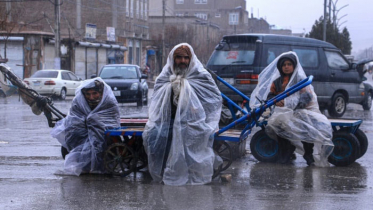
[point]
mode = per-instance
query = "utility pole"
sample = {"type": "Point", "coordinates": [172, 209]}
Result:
{"type": "Point", "coordinates": [57, 58]}
{"type": "Point", "coordinates": [163, 28]}
{"type": "Point", "coordinates": [330, 10]}
{"type": "Point", "coordinates": [324, 27]}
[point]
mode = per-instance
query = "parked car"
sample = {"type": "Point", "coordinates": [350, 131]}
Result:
{"type": "Point", "coordinates": [239, 59]}
{"type": "Point", "coordinates": [127, 83]}
{"type": "Point", "coordinates": [52, 82]}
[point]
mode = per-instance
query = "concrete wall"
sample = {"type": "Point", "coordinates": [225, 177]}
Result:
{"type": "Point", "coordinates": [14, 53]}
{"type": "Point", "coordinates": [80, 62]}
{"type": "Point", "coordinates": [48, 56]}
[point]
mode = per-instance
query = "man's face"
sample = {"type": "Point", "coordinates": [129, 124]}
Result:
{"type": "Point", "coordinates": [92, 95]}
{"type": "Point", "coordinates": [182, 62]}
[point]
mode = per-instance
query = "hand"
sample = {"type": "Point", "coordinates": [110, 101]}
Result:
{"type": "Point", "coordinates": [280, 103]}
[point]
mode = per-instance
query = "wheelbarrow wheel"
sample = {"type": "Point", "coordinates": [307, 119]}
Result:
{"type": "Point", "coordinates": [363, 141]}
{"type": "Point", "coordinates": [222, 149]}
{"type": "Point", "coordinates": [264, 148]}
{"type": "Point", "coordinates": [120, 159]}
{"type": "Point", "coordinates": [346, 149]}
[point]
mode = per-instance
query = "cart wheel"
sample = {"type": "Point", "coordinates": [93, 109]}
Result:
{"type": "Point", "coordinates": [363, 141]}
{"type": "Point", "coordinates": [346, 149]}
{"type": "Point", "coordinates": [119, 159]}
{"type": "Point", "coordinates": [263, 147]}
{"type": "Point", "coordinates": [222, 149]}
{"type": "Point", "coordinates": [64, 152]}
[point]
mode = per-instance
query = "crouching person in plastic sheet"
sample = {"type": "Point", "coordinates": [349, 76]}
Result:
{"type": "Point", "coordinates": [94, 109]}
{"type": "Point", "coordinates": [183, 115]}
{"type": "Point", "coordinates": [297, 118]}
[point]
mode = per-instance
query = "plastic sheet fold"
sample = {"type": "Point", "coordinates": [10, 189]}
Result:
{"type": "Point", "coordinates": [82, 130]}
{"type": "Point", "coordinates": [191, 158]}
{"type": "Point", "coordinates": [300, 118]}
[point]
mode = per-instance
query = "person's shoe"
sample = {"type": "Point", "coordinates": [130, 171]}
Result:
{"type": "Point", "coordinates": [309, 159]}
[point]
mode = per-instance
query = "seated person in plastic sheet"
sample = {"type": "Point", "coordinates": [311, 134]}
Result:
{"type": "Point", "coordinates": [183, 115]}
{"type": "Point", "coordinates": [94, 109]}
{"type": "Point", "coordinates": [296, 122]}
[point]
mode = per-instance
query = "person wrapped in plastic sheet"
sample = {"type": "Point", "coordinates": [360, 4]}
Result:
{"type": "Point", "coordinates": [183, 115]}
{"type": "Point", "coordinates": [94, 109]}
{"type": "Point", "coordinates": [297, 124]}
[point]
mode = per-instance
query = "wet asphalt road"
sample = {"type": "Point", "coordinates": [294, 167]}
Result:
{"type": "Point", "coordinates": [30, 161]}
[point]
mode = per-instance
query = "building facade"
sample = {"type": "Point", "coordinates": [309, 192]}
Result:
{"type": "Point", "coordinates": [104, 31]}
{"type": "Point", "coordinates": [231, 16]}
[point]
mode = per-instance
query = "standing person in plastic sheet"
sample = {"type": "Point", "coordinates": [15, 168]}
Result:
{"type": "Point", "coordinates": [183, 115]}
{"type": "Point", "coordinates": [94, 109]}
{"type": "Point", "coordinates": [296, 118]}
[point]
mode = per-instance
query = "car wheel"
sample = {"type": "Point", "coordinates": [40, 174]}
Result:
{"type": "Point", "coordinates": [338, 106]}
{"type": "Point", "coordinates": [140, 101]}
{"type": "Point", "coordinates": [263, 147]}
{"type": "Point", "coordinates": [346, 148]}
{"type": "Point", "coordinates": [63, 94]}
{"type": "Point", "coordinates": [368, 102]}
{"type": "Point", "coordinates": [146, 99]}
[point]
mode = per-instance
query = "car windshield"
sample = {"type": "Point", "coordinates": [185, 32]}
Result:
{"type": "Point", "coordinates": [119, 72]}
{"type": "Point", "coordinates": [45, 74]}
{"type": "Point", "coordinates": [234, 51]}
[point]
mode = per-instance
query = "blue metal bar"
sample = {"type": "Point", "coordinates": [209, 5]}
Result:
{"type": "Point", "coordinates": [233, 88]}
{"type": "Point", "coordinates": [259, 110]}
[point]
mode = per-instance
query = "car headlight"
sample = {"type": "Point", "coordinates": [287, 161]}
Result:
{"type": "Point", "coordinates": [134, 86]}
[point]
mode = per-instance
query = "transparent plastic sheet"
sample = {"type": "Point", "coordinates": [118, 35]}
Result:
{"type": "Point", "coordinates": [191, 158]}
{"type": "Point", "coordinates": [82, 130]}
{"type": "Point", "coordinates": [292, 122]}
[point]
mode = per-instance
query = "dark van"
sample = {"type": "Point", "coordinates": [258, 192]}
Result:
{"type": "Point", "coordinates": [239, 59]}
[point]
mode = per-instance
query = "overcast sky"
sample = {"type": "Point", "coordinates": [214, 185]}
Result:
{"type": "Point", "coordinates": [300, 15]}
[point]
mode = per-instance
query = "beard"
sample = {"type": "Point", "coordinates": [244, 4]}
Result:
{"type": "Point", "coordinates": [180, 70]}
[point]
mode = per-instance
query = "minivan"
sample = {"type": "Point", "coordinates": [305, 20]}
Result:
{"type": "Point", "coordinates": [239, 59]}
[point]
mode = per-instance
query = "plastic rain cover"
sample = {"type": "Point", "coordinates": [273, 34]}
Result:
{"type": "Point", "coordinates": [291, 122]}
{"type": "Point", "coordinates": [82, 130]}
{"type": "Point", "coordinates": [191, 158]}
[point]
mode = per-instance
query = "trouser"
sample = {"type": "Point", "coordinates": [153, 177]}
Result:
{"type": "Point", "coordinates": [308, 151]}
{"type": "Point", "coordinates": [168, 145]}
{"type": "Point", "coordinates": [286, 150]}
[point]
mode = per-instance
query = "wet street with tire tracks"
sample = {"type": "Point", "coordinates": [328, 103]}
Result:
{"type": "Point", "coordinates": [31, 177]}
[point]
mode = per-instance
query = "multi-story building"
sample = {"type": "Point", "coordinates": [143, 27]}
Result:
{"type": "Point", "coordinates": [93, 33]}
{"type": "Point", "coordinates": [231, 16]}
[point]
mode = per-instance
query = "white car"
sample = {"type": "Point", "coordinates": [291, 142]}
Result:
{"type": "Point", "coordinates": [54, 82]}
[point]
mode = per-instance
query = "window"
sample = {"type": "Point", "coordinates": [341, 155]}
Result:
{"type": "Point", "coordinates": [179, 1]}
{"type": "Point", "coordinates": [335, 60]}
{"type": "Point", "coordinates": [200, 1]}
{"type": "Point", "coordinates": [201, 15]}
{"type": "Point", "coordinates": [141, 10]}
{"type": "Point", "coordinates": [146, 10]}
{"type": "Point", "coordinates": [137, 9]}
{"type": "Point", "coordinates": [73, 77]}
{"type": "Point", "coordinates": [273, 51]}
{"type": "Point", "coordinates": [137, 52]}
{"type": "Point", "coordinates": [179, 14]}
{"type": "Point", "coordinates": [307, 57]}
{"type": "Point", "coordinates": [65, 76]}
{"type": "Point", "coordinates": [127, 8]}
{"type": "Point", "coordinates": [233, 18]}
{"type": "Point", "coordinates": [217, 15]}
{"type": "Point", "coordinates": [131, 11]}
{"type": "Point", "coordinates": [130, 51]}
